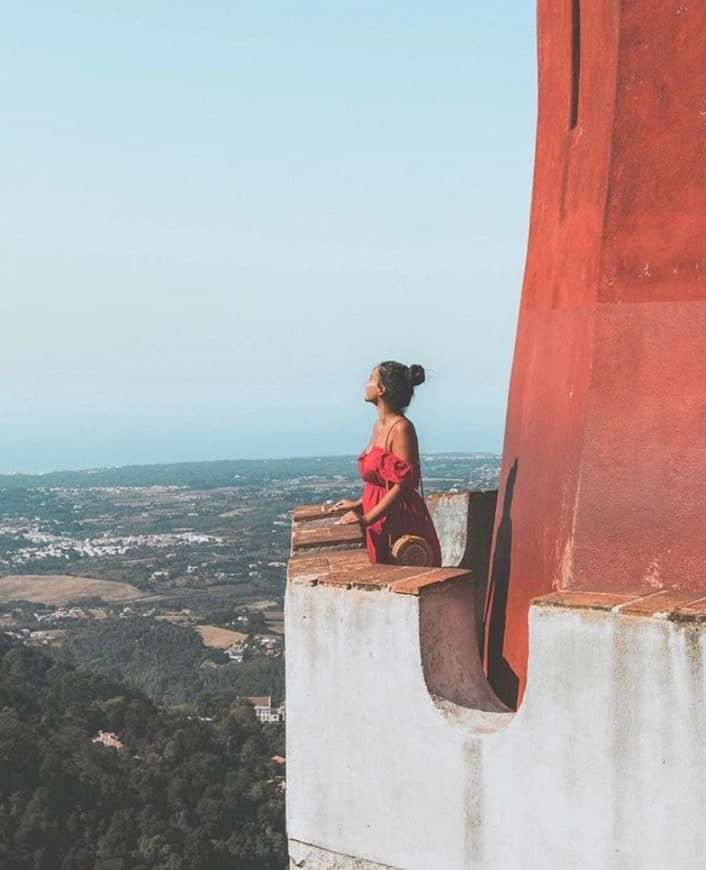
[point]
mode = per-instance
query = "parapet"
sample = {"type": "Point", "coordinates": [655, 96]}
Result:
{"type": "Point", "coordinates": [326, 553]}
{"type": "Point", "coordinates": [400, 756]}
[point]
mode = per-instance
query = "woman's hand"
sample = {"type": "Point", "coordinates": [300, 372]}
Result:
{"type": "Point", "coordinates": [345, 504]}
{"type": "Point", "coordinates": [351, 517]}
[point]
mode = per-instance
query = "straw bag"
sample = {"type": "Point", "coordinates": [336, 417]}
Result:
{"type": "Point", "coordinates": [411, 550]}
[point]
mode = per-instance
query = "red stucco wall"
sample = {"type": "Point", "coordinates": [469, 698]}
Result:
{"type": "Point", "coordinates": [605, 443]}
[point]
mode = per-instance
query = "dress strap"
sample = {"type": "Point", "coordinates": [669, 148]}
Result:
{"type": "Point", "coordinates": [387, 434]}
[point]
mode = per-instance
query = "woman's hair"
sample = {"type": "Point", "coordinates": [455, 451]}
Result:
{"type": "Point", "coordinates": [399, 382]}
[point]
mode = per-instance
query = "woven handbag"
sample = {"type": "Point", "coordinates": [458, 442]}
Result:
{"type": "Point", "coordinates": [412, 550]}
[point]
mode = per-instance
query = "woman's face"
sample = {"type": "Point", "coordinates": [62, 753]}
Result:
{"type": "Point", "coordinates": [372, 388]}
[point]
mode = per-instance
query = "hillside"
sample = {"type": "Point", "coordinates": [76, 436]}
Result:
{"type": "Point", "coordinates": [188, 790]}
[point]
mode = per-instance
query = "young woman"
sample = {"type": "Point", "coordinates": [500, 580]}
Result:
{"type": "Point", "coordinates": [390, 505]}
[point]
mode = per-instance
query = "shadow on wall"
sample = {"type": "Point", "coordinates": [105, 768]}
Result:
{"type": "Point", "coordinates": [465, 522]}
{"type": "Point", "coordinates": [500, 675]}
{"type": "Point", "coordinates": [481, 521]}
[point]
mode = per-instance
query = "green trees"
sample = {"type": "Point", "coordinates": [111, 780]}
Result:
{"type": "Point", "coordinates": [184, 793]}
{"type": "Point", "coordinates": [164, 661]}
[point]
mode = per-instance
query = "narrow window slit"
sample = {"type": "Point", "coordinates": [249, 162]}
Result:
{"type": "Point", "coordinates": [575, 61]}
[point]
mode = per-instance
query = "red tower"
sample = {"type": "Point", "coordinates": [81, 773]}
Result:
{"type": "Point", "coordinates": [604, 463]}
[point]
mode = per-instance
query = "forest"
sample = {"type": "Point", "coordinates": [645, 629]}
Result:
{"type": "Point", "coordinates": [189, 789]}
{"type": "Point", "coordinates": [169, 663]}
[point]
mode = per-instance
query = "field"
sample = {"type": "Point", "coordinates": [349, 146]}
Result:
{"type": "Point", "coordinates": [275, 621]}
{"type": "Point", "coordinates": [220, 638]}
{"type": "Point", "coordinates": [62, 588]}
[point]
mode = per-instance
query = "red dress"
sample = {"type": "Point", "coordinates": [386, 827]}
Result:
{"type": "Point", "coordinates": [407, 516]}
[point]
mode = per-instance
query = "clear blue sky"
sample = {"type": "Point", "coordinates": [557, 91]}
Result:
{"type": "Point", "coordinates": [217, 216]}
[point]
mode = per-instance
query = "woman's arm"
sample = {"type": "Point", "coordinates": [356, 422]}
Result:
{"type": "Point", "coordinates": [383, 506]}
{"type": "Point", "coordinates": [404, 445]}
{"type": "Point", "coordinates": [348, 504]}
{"type": "Point", "coordinates": [380, 509]}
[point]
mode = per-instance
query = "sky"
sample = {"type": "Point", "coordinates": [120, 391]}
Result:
{"type": "Point", "coordinates": [219, 216]}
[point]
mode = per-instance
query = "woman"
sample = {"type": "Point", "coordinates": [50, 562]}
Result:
{"type": "Point", "coordinates": [390, 505]}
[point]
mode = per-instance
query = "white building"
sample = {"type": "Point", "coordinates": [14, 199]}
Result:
{"type": "Point", "coordinates": [264, 710]}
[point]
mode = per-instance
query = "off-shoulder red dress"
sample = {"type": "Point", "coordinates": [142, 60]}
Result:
{"type": "Point", "coordinates": [381, 470]}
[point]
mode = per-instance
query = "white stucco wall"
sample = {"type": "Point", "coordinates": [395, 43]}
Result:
{"type": "Point", "coordinates": [603, 767]}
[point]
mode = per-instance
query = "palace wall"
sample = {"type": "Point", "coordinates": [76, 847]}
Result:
{"type": "Point", "coordinates": [604, 468]}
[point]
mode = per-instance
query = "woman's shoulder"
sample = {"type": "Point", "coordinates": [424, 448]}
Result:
{"type": "Point", "coordinates": [403, 428]}
{"type": "Point", "coordinates": [403, 442]}
{"type": "Point", "coordinates": [397, 431]}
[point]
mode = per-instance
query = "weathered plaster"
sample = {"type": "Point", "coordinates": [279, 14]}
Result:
{"type": "Point", "coordinates": [601, 768]}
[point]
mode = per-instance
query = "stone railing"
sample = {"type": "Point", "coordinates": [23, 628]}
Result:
{"type": "Point", "coordinates": [400, 755]}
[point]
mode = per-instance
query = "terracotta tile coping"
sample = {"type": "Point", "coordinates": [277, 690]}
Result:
{"type": "Point", "coordinates": [316, 527]}
{"type": "Point", "coordinates": [339, 569]}
{"type": "Point", "coordinates": [645, 601]}
{"type": "Point", "coordinates": [330, 535]}
{"type": "Point", "coordinates": [305, 512]}
{"type": "Point", "coordinates": [325, 554]}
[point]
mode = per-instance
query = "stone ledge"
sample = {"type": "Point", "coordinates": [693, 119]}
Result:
{"type": "Point", "coordinates": [325, 553]}
{"type": "Point", "coordinates": [428, 578]}
{"type": "Point", "coordinates": [329, 535]}
{"type": "Point", "coordinates": [308, 512]}
{"type": "Point", "coordinates": [642, 601]}
{"type": "Point", "coordinates": [313, 565]}
{"type": "Point", "coordinates": [316, 527]}
{"type": "Point", "coordinates": [370, 577]}
{"type": "Point", "coordinates": [351, 569]}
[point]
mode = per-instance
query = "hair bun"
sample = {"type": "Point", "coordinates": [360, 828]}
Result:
{"type": "Point", "coordinates": [416, 375]}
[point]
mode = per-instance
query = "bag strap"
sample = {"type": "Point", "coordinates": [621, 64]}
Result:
{"type": "Point", "coordinates": [387, 434]}
{"type": "Point", "coordinates": [387, 439]}
{"type": "Point", "coordinates": [419, 458]}
{"type": "Point", "coordinates": [387, 482]}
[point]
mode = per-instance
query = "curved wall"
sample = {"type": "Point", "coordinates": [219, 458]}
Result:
{"type": "Point", "coordinates": [604, 476]}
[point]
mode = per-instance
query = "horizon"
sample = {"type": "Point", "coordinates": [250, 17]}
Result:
{"type": "Point", "coordinates": [294, 458]}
